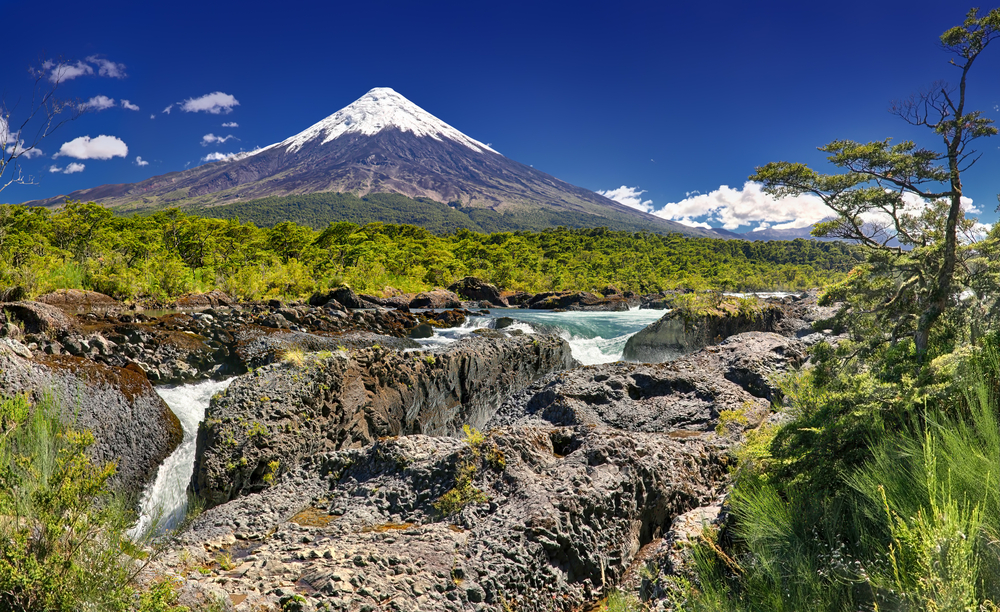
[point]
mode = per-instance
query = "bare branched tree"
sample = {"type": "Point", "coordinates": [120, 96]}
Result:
{"type": "Point", "coordinates": [34, 119]}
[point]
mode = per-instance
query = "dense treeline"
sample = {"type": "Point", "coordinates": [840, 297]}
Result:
{"type": "Point", "coordinates": [168, 253]}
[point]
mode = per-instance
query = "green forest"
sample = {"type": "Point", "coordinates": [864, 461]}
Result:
{"type": "Point", "coordinates": [168, 253]}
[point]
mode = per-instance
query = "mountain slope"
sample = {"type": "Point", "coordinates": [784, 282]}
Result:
{"type": "Point", "coordinates": [381, 143]}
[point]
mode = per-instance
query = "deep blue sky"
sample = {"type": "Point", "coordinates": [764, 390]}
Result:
{"type": "Point", "coordinates": [590, 92]}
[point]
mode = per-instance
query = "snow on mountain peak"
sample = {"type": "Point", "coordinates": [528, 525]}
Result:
{"type": "Point", "coordinates": [379, 109]}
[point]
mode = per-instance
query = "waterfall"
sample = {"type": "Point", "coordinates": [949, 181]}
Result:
{"type": "Point", "coordinates": [165, 500]}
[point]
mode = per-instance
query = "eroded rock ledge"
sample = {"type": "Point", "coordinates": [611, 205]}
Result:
{"type": "Point", "coordinates": [267, 422]}
{"type": "Point", "coordinates": [357, 529]}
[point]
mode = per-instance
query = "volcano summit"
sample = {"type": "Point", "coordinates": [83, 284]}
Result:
{"type": "Point", "coordinates": [383, 143]}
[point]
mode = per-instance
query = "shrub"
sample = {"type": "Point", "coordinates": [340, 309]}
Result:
{"type": "Point", "coordinates": [63, 535]}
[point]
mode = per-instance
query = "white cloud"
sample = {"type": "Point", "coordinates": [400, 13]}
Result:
{"type": "Point", "coordinates": [692, 223]}
{"type": "Point", "coordinates": [216, 156]}
{"type": "Point", "coordinates": [629, 196]}
{"type": "Point", "coordinates": [152, 116]}
{"type": "Point", "coordinates": [73, 168]}
{"type": "Point", "coordinates": [85, 147]}
{"type": "Point", "coordinates": [734, 208]}
{"type": "Point", "coordinates": [129, 106]}
{"type": "Point", "coordinates": [98, 103]}
{"type": "Point", "coordinates": [168, 109]}
{"type": "Point", "coordinates": [107, 68]}
{"type": "Point", "coordinates": [62, 71]}
{"type": "Point", "coordinates": [139, 161]}
{"type": "Point", "coordinates": [12, 145]}
{"type": "Point", "coordinates": [231, 124]}
{"type": "Point", "coordinates": [208, 139]}
{"type": "Point", "coordinates": [215, 103]}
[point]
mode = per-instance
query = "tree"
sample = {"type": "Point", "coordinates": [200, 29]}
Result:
{"type": "Point", "coordinates": [881, 201]}
{"type": "Point", "coordinates": [40, 116]}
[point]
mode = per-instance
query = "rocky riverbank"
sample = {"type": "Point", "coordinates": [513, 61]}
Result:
{"type": "Point", "coordinates": [336, 468]}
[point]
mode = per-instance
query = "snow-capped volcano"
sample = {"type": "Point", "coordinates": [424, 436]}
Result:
{"type": "Point", "coordinates": [379, 109]}
{"type": "Point", "coordinates": [383, 143]}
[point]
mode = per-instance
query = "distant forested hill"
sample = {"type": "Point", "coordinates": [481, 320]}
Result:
{"type": "Point", "coordinates": [316, 210]}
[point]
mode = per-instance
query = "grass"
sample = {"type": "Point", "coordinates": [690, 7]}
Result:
{"type": "Point", "coordinates": [914, 527]}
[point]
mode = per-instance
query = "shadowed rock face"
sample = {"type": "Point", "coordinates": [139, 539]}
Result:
{"type": "Point", "coordinates": [285, 412]}
{"type": "Point", "coordinates": [568, 509]}
{"type": "Point", "coordinates": [132, 426]}
{"type": "Point", "coordinates": [677, 333]}
{"type": "Point", "coordinates": [683, 395]}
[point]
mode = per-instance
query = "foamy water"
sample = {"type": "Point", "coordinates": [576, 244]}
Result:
{"type": "Point", "coordinates": [594, 337]}
{"type": "Point", "coordinates": [165, 501]}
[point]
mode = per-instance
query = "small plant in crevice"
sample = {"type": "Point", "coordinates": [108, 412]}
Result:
{"type": "Point", "coordinates": [470, 459]}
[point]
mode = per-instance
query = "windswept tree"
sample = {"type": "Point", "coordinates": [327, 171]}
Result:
{"type": "Point", "coordinates": [903, 203]}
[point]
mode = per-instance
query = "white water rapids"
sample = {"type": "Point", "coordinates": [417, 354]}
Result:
{"type": "Point", "coordinates": [594, 337]}
{"type": "Point", "coordinates": [165, 502]}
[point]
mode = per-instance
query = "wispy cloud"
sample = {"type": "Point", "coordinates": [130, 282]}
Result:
{"type": "Point", "coordinates": [629, 196]}
{"type": "Point", "coordinates": [129, 106]}
{"type": "Point", "coordinates": [216, 156]}
{"type": "Point", "coordinates": [107, 68]}
{"type": "Point", "coordinates": [168, 109]}
{"type": "Point", "coordinates": [230, 124]}
{"type": "Point", "coordinates": [73, 168]}
{"type": "Point", "coordinates": [60, 72]}
{"type": "Point", "coordinates": [139, 161]}
{"type": "Point", "coordinates": [215, 103]}
{"type": "Point", "coordinates": [208, 139]}
{"type": "Point", "coordinates": [98, 103]}
{"type": "Point", "coordinates": [85, 147]}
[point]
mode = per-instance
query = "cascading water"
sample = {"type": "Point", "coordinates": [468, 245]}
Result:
{"type": "Point", "coordinates": [594, 337]}
{"type": "Point", "coordinates": [165, 501]}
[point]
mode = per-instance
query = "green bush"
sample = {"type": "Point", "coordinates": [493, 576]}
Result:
{"type": "Point", "coordinates": [63, 535]}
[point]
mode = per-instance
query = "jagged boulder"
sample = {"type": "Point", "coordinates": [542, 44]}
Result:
{"type": "Point", "coordinates": [283, 412]}
{"type": "Point", "coordinates": [131, 424]}
{"type": "Point", "coordinates": [478, 290]}
{"type": "Point", "coordinates": [687, 329]}
{"type": "Point", "coordinates": [578, 300]}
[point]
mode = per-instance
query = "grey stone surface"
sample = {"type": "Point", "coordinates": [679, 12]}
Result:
{"type": "Point", "coordinates": [283, 412]}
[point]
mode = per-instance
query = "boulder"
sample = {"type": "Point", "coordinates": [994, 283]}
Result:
{"type": "Point", "coordinates": [132, 426]}
{"type": "Point", "coordinates": [77, 301]}
{"type": "Point", "coordinates": [283, 412]}
{"type": "Point", "coordinates": [477, 290]}
{"type": "Point", "coordinates": [579, 300]}
{"type": "Point", "coordinates": [38, 318]}
{"type": "Point", "coordinates": [343, 295]}
{"type": "Point", "coordinates": [683, 330]}
{"type": "Point", "coordinates": [438, 299]}
{"type": "Point", "coordinates": [212, 299]}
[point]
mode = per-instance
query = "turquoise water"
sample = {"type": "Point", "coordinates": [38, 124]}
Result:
{"type": "Point", "coordinates": [594, 337]}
